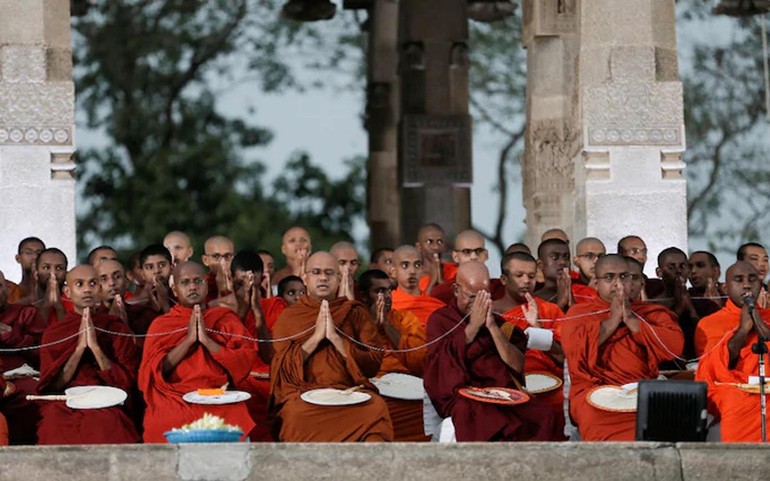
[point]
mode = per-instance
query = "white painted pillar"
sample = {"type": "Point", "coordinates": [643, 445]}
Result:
{"type": "Point", "coordinates": [37, 127]}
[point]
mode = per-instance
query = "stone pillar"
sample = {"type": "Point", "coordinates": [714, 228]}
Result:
{"type": "Point", "coordinates": [37, 127]}
{"type": "Point", "coordinates": [552, 43]}
{"type": "Point", "coordinates": [625, 135]}
{"type": "Point", "coordinates": [382, 114]}
{"type": "Point", "coordinates": [435, 167]}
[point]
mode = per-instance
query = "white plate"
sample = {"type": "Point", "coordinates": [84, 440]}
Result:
{"type": "Point", "coordinates": [229, 397]}
{"type": "Point", "coordinates": [400, 386]}
{"type": "Point", "coordinates": [25, 370]}
{"type": "Point", "coordinates": [537, 382]}
{"type": "Point", "coordinates": [334, 397]}
{"type": "Point", "coordinates": [94, 397]}
{"type": "Point", "coordinates": [613, 398]}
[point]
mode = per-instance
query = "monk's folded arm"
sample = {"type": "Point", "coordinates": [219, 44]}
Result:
{"type": "Point", "coordinates": [511, 356]}
{"type": "Point", "coordinates": [608, 327]}
{"type": "Point", "coordinates": [470, 333]}
{"type": "Point", "coordinates": [101, 358]}
{"type": "Point", "coordinates": [68, 370]}
{"type": "Point", "coordinates": [175, 356]}
{"type": "Point", "coordinates": [309, 347]}
{"type": "Point", "coordinates": [734, 346]}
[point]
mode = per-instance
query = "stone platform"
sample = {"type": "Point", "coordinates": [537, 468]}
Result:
{"type": "Point", "coordinates": [396, 462]}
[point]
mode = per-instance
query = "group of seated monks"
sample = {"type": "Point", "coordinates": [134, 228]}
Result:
{"type": "Point", "coordinates": [165, 326]}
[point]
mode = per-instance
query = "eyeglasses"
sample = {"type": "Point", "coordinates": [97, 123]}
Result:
{"type": "Point", "coordinates": [217, 256]}
{"type": "Point", "coordinates": [188, 282]}
{"type": "Point", "coordinates": [611, 276]}
{"type": "Point", "coordinates": [637, 250]}
{"type": "Point", "coordinates": [479, 251]}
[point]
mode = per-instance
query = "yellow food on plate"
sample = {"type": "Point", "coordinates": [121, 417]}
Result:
{"type": "Point", "coordinates": [211, 392]}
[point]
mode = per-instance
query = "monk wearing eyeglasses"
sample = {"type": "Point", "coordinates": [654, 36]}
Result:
{"type": "Point", "coordinates": [218, 253]}
{"type": "Point", "coordinates": [612, 340]}
{"type": "Point", "coordinates": [319, 345]}
{"type": "Point", "coordinates": [201, 348]}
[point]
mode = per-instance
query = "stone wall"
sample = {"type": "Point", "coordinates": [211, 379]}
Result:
{"type": "Point", "coordinates": [396, 462]}
{"type": "Point", "coordinates": [37, 128]}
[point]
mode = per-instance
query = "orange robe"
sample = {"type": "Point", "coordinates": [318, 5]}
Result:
{"type": "Point", "coordinates": [583, 293]}
{"type": "Point", "coordinates": [540, 361]}
{"type": "Point", "coordinates": [739, 411]}
{"type": "Point", "coordinates": [198, 369]}
{"type": "Point", "coordinates": [14, 291]}
{"type": "Point", "coordinates": [448, 273]}
{"type": "Point", "coordinates": [291, 375]}
{"type": "Point", "coordinates": [27, 330]}
{"type": "Point", "coordinates": [62, 425]}
{"type": "Point", "coordinates": [623, 358]}
{"type": "Point", "coordinates": [712, 329]}
{"type": "Point", "coordinates": [421, 306]}
{"type": "Point", "coordinates": [405, 415]}
{"type": "Point", "coordinates": [271, 309]}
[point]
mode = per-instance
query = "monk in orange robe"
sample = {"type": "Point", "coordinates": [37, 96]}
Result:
{"type": "Point", "coordinates": [117, 300]}
{"type": "Point", "coordinates": [29, 249]}
{"type": "Point", "coordinates": [408, 296]}
{"type": "Point", "coordinates": [318, 353]}
{"type": "Point", "coordinates": [90, 358]}
{"type": "Point", "coordinates": [520, 309]}
{"type": "Point", "coordinates": [405, 333]}
{"type": "Point", "coordinates": [218, 252]}
{"type": "Point", "coordinates": [20, 327]}
{"type": "Point", "coordinates": [553, 261]}
{"type": "Point", "coordinates": [587, 252]}
{"type": "Point", "coordinates": [731, 361]}
{"type": "Point", "coordinates": [431, 246]}
{"type": "Point", "coordinates": [211, 352]}
{"type": "Point", "coordinates": [606, 342]}
{"type": "Point", "coordinates": [481, 353]}
{"type": "Point", "coordinates": [712, 329]}
{"type": "Point", "coordinates": [295, 246]}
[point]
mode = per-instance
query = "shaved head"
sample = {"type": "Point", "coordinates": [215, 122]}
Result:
{"type": "Point", "coordinates": [518, 247]}
{"type": "Point", "coordinates": [323, 276]}
{"type": "Point", "coordinates": [82, 287]}
{"type": "Point", "coordinates": [610, 259]}
{"type": "Point", "coordinates": [469, 235]}
{"type": "Point", "coordinates": [217, 241]}
{"type": "Point", "coordinates": [404, 250]}
{"type": "Point", "coordinates": [341, 245]}
{"type": "Point", "coordinates": [190, 284]}
{"type": "Point", "coordinates": [472, 272]}
{"type": "Point", "coordinates": [188, 267]}
{"type": "Point", "coordinates": [79, 271]}
{"type": "Point", "coordinates": [178, 244]}
{"type": "Point", "coordinates": [554, 234]}
{"type": "Point", "coordinates": [472, 278]}
{"type": "Point", "coordinates": [347, 257]}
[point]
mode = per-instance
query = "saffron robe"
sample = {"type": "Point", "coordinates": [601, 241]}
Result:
{"type": "Point", "coordinates": [451, 365]}
{"type": "Point", "coordinates": [291, 375]}
{"type": "Point", "coordinates": [623, 358]}
{"type": "Point", "coordinates": [738, 411]}
{"type": "Point", "coordinates": [712, 329]}
{"type": "Point", "coordinates": [448, 272]}
{"type": "Point", "coordinates": [198, 369]}
{"type": "Point", "coordinates": [27, 330]}
{"type": "Point", "coordinates": [62, 425]}
{"type": "Point", "coordinates": [405, 415]}
{"type": "Point", "coordinates": [421, 306]}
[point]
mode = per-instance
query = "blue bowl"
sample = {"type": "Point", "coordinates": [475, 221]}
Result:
{"type": "Point", "coordinates": [204, 436]}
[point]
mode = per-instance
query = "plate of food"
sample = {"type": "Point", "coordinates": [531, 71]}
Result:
{"type": "Point", "coordinates": [620, 399]}
{"type": "Point", "coordinates": [207, 429]}
{"type": "Point", "coordinates": [400, 386]}
{"type": "Point", "coordinates": [25, 370]}
{"type": "Point", "coordinates": [541, 382]}
{"type": "Point", "coordinates": [335, 397]}
{"type": "Point", "coordinates": [215, 396]}
{"type": "Point", "coordinates": [494, 395]}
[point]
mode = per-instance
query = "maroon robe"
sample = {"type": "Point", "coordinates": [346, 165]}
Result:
{"type": "Point", "coordinates": [62, 425]}
{"type": "Point", "coordinates": [451, 365]}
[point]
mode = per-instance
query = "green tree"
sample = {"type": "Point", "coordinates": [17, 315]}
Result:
{"type": "Point", "coordinates": [148, 75]}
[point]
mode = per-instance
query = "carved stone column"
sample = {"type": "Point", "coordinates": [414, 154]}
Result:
{"type": "Point", "coordinates": [629, 171]}
{"type": "Point", "coordinates": [625, 132]}
{"type": "Point", "coordinates": [382, 115]}
{"type": "Point", "coordinates": [37, 127]}
{"type": "Point", "coordinates": [435, 167]}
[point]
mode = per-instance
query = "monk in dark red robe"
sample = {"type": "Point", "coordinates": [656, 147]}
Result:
{"type": "Point", "coordinates": [20, 327]}
{"type": "Point", "coordinates": [218, 253]}
{"type": "Point", "coordinates": [318, 353]}
{"type": "Point", "coordinates": [211, 352]}
{"type": "Point", "coordinates": [90, 358]}
{"type": "Point", "coordinates": [613, 341]}
{"type": "Point", "coordinates": [731, 360]}
{"type": "Point", "coordinates": [479, 353]}
{"type": "Point", "coordinates": [405, 334]}
{"type": "Point", "coordinates": [47, 297]}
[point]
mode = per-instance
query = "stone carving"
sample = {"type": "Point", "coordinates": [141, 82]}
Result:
{"type": "Point", "coordinates": [436, 149]}
{"type": "Point", "coordinates": [23, 63]}
{"type": "Point", "coordinates": [35, 136]}
{"type": "Point", "coordinates": [459, 56]}
{"type": "Point", "coordinates": [414, 56]}
{"type": "Point", "coordinates": [37, 104]}
{"type": "Point", "coordinates": [634, 113]}
{"type": "Point", "coordinates": [62, 166]}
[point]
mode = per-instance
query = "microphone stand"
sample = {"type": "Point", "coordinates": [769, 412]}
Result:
{"type": "Point", "coordinates": [760, 349]}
